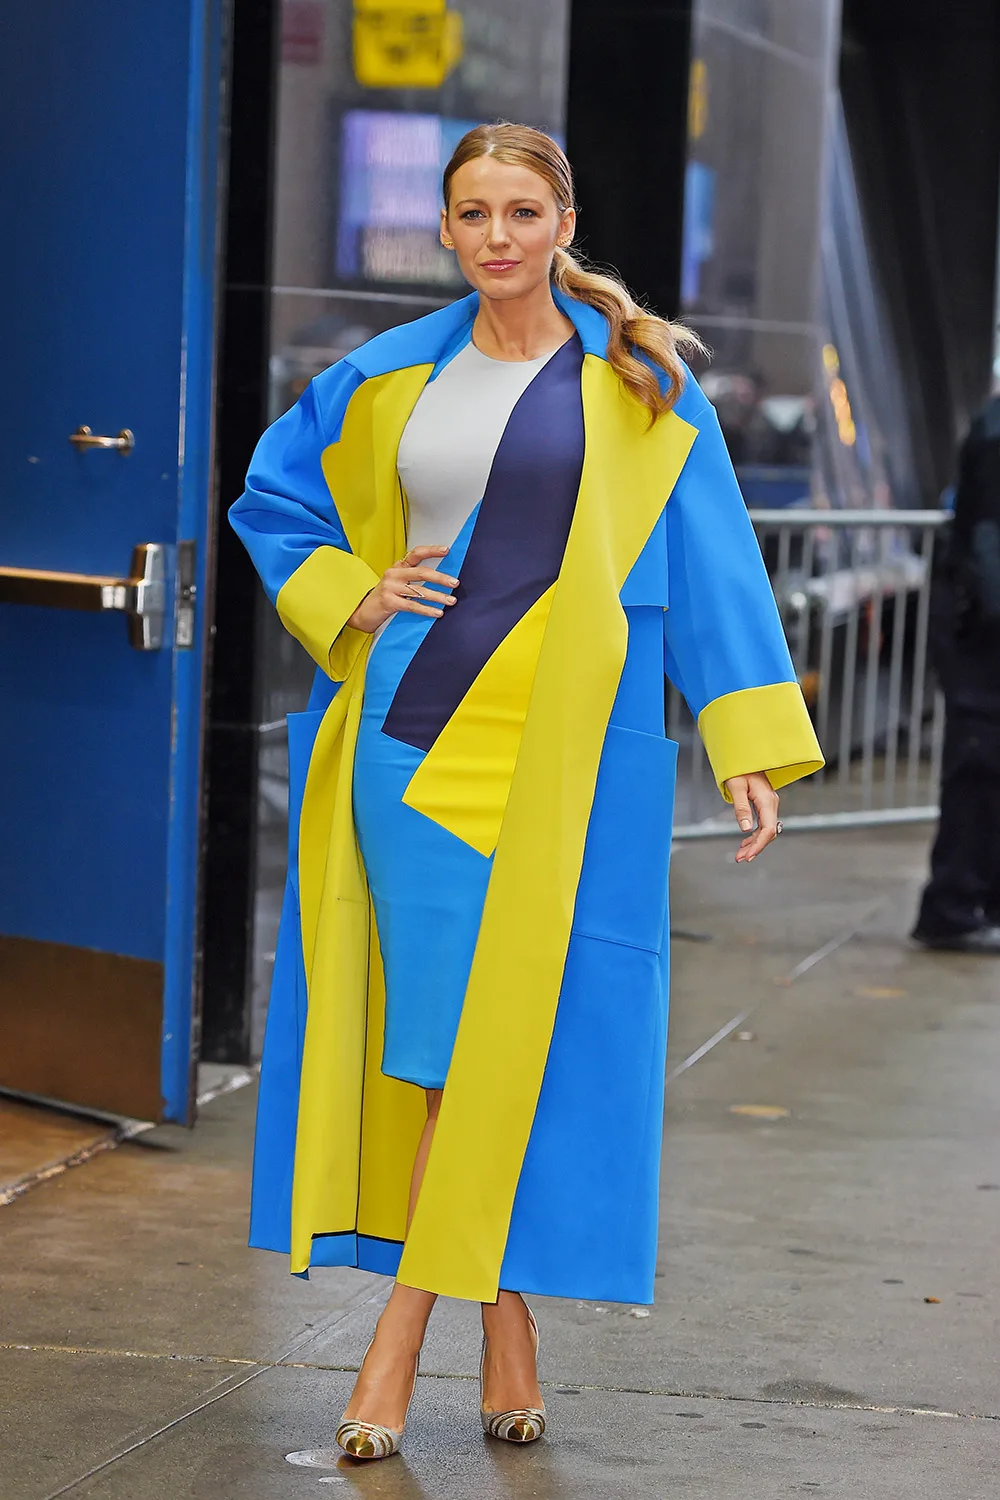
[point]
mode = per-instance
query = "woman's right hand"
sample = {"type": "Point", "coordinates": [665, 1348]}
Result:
{"type": "Point", "coordinates": [403, 587]}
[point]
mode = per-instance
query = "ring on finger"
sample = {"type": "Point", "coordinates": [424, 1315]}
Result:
{"type": "Point", "coordinates": [779, 827]}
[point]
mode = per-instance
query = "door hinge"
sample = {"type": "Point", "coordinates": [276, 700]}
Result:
{"type": "Point", "coordinates": [187, 595]}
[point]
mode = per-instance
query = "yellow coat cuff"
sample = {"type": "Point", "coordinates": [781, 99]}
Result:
{"type": "Point", "coordinates": [317, 601]}
{"type": "Point", "coordinates": [760, 729]}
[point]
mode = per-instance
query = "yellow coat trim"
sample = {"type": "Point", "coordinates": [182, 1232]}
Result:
{"type": "Point", "coordinates": [318, 599]}
{"type": "Point", "coordinates": [760, 729]}
{"type": "Point", "coordinates": [464, 780]}
{"type": "Point", "coordinates": [496, 1070]}
{"type": "Point", "coordinates": [348, 1111]}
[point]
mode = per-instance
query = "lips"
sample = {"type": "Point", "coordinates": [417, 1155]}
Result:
{"type": "Point", "coordinates": [499, 265]}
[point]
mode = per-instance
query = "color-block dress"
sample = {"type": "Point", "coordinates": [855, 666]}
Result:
{"type": "Point", "coordinates": [490, 465]}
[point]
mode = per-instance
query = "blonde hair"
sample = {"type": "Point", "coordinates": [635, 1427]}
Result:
{"type": "Point", "coordinates": [637, 339]}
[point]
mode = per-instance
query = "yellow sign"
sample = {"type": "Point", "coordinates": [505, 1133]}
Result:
{"type": "Point", "coordinates": [410, 44]}
{"type": "Point", "coordinates": [698, 99]}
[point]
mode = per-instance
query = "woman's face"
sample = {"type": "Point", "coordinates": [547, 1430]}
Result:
{"type": "Point", "coordinates": [503, 223]}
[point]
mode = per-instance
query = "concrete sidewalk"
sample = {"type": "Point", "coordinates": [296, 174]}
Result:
{"type": "Point", "coordinates": [827, 1304]}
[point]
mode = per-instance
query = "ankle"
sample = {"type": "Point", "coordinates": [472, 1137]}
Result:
{"type": "Point", "coordinates": [509, 1308]}
{"type": "Point", "coordinates": [405, 1342]}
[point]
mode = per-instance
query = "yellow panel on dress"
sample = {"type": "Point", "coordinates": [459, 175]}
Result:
{"type": "Point", "coordinates": [464, 780]}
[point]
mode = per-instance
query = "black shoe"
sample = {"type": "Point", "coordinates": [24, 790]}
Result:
{"type": "Point", "coordinates": [979, 940]}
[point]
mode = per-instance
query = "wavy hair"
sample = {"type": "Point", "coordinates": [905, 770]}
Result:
{"type": "Point", "coordinates": [639, 343]}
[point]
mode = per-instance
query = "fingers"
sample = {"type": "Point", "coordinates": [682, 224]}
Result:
{"type": "Point", "coordinates": [751, 847]}
{"type": "Point", "coordinates": [406, 592]}
{"type": "Point", "coordinates": [762, 797]}
{"type": "Point", "coordinates": [413, 606]}
{"type": "Point", "coordinates": [739, 791]}
{"type": "Point", "coordinates": [411, 599]}
{"type": "Point", "coordinates": [412, 587]}
{"type": "Point", "coordinates": [419, 554]}
{"type": "Point", "coordinates": [428, 575]}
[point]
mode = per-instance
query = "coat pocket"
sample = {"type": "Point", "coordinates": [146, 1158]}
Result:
{"type": "Point", "coordinates": [622, 895]}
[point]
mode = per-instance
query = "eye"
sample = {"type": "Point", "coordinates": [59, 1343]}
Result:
{"type": "Point", "coordinates": [471, 213]}
{"type": "Point", "coordinates": [531, 213]}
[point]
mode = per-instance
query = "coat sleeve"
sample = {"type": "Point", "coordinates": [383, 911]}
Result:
{"type": "Point", "coordinates": [725, 646]}
{"type": "Point", "coordinates": [287, 520]}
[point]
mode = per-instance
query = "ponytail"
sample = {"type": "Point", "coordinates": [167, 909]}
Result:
{"type": "Point", "coordinates": [639, 343]}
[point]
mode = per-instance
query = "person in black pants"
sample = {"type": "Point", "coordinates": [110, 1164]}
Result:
{"type": "Point", "coordinates": [961, 903]}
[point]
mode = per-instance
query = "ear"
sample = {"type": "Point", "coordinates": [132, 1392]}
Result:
{"type": "Point", "coordinates": [567, 228]}
{"type": "Point", "coordinates": [446, 239]}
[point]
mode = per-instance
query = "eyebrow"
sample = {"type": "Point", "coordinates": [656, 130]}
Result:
{"type": "Point", "coordinates": [470, 201]}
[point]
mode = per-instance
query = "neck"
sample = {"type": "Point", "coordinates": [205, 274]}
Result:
{"type": "Point", "coordinates": [520, 328]}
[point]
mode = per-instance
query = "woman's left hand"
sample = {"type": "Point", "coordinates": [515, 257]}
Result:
{"type": "Point", "coordinates": [751, 794]}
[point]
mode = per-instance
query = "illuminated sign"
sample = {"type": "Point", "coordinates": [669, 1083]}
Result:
{"type": "Point", "coordinates": [409, 45]}
{"type": "Point", "coordinates": [390, 196]}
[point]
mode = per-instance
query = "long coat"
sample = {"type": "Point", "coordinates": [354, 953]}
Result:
{"type": "Point", "coordinates": [543, 1173]}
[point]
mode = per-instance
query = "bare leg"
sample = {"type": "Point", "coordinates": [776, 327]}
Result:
{"type": "Point", "coordinates": [510, 1379]}
{"type": "Point", "coordinates": [382, 1389]}
{"type": "Point", "coordinates": [434, 1097]}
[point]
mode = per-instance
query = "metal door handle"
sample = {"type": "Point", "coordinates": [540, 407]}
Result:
{"type": "Point", "coordinates": [83, 439]}
{"type": "Point", "coordinates": [141, 597]}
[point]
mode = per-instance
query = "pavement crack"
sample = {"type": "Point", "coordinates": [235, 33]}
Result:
{"type": "Point", "coordinates": [21, 1185]}
{"type": "Point", "coordinates": [664, 1392]}
{"type": "Point", "coordinates": [872, 1406]}
{"type": "Point", "coordinates": [224, 1388]}
{"type": "Point", "coordinates": [784, 981]}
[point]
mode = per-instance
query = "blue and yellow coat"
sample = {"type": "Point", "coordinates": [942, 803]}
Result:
{"type": "Point", "coordinates": [543, 1174]}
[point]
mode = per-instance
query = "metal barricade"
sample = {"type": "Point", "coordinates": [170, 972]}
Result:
{"type": "Point", "coordinates": [853, 587]}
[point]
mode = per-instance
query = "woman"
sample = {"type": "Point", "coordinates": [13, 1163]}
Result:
{"type": "Point", "coordinates": [494, 529]}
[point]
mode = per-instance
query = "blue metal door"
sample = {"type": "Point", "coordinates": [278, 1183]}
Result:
{"type": "Point", "coordinates": [109, 123]}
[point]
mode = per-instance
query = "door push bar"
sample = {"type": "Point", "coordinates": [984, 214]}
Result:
{"type": "Point", "coordinates": [141, 597]}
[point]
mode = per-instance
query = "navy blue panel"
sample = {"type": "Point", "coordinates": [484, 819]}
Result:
{"type": "Point", "coordinates": [515, 553]}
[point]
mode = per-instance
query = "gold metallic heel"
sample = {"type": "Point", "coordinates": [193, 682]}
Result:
{"type": "Point", "coordinates": [525, 1425]}
{"type": "Point", "coordinates": [370, 1439]}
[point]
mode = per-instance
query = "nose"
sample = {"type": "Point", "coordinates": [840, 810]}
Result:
{"type": "Point", "coordinates": [497, 234]}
